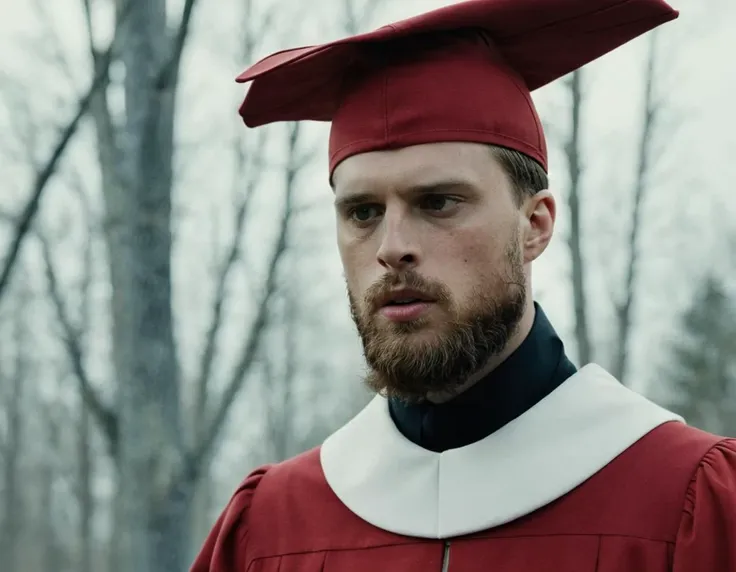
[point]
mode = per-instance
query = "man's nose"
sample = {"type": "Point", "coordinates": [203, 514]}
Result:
{"type": "Point", "coordinates": [398, 249]}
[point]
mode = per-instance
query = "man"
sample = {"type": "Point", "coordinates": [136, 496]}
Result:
{"type": "Point", "coordinates": [484, 448]}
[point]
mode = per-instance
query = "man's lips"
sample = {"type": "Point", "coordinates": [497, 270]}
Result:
{"type": "Point", "coordinates": [405, 312]}
{"type": "Point", "coordinates": [404, 305]}
{"type": "Point", "coordinates": [403, 296]}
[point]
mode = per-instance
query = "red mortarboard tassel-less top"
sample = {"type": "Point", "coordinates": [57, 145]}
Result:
{"type": "Point", "coordinates": [460, 73]}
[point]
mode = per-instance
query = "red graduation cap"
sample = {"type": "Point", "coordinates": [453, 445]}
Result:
{"type": "Point", "coordinates": [459, 73]}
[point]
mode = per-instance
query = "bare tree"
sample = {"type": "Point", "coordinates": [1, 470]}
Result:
{"type": "Point", "coordinates": [136, 160]}
{"type": "Point", "coordinates": [158, 466]}
{"type": "Point", "coordinates": [136, 163]}
{"type": "Point", "coordinates": [249, 350]}
{"type": "Point", "coordinates": [85, 497]}
{"type": "Point", "coordinates": [624, 306]}
{"type": "Point", "coordinates": [14, 442]}
{"type": "Point", "coordinates": [574, 152]}
{"type": "Point", "coordinates": [47, 171]}
{"type": "Point", "coordinates": [649, 152]}
{"type": "Point", "coordinates": [280, 381]}
{"type": "Point", "coordinates": [648, 157]}
{"type": "Point", "coordinates": [85, 453]}
{"type": "Point", "coordinates": [54, 556]}
{"type": "Point", "coordinates": [357, 14]}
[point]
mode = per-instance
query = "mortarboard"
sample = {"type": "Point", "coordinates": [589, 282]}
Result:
{"type": "Point", "coordinates": [460, 73]}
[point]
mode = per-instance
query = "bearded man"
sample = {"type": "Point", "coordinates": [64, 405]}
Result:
{"type": "Point", "coordinates": [484, 448]}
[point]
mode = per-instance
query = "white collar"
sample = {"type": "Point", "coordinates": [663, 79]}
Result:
{"type": "Point", "coordinates": [542, 455]}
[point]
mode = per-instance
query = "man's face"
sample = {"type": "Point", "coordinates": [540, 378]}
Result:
{"type": "Point", "coordinates": [431, 242]}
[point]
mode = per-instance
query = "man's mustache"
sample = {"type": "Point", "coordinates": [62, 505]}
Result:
{"type": "Point", "coordinates": [410, 280]}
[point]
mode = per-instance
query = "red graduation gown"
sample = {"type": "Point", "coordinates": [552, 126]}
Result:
{"type": "Point", "coordinates": [667, 504]}
{"type": "Point", "coordinates": [594, 478]}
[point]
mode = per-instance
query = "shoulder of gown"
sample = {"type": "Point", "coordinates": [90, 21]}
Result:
{"type": "Point", "coordinates": [224, 548]}
{"type": "Point", "coordinates": [706, 539]}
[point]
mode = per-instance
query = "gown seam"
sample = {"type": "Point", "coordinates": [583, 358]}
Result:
{"type": "Point", "coordinates": [558, 534]}
{"type": "Point", "coordinates": [598, 554]}
{"type": "Point", "coordinates": [348, 549]}
{"type": "Point", "coordinates": [688, 501]}
{"type": "Point", "coordinates": [428, 542]}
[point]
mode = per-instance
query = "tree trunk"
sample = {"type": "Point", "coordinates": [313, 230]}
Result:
{"type": "Point", "coordinates": [13, 506]}
{"type": "Point", "coordinates": [52, 553]}
{"type": "Point", "coordinates": [201, 511]}
{"type": "Point", "coordinates": [575, 240]}
{"type": "Point", "coordinates": [153, 515]}
{"type": "Point", "coordinates": [624, 309]}
{"type": "Point", "coordinates": [86, 505]}
{"type": "Point", "coordinates": [86, 463]}
{"type": "Point", "coordinates": [156, 475]}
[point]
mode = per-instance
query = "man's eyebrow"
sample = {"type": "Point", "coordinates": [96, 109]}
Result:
{"type": "Point", "coordinates": [350, 200]}
{"type": "Point", "coordinates": [439, 186]}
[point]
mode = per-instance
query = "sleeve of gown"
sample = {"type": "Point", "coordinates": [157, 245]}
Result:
{"type": "Point", "coordinates": [706, 540]}
{"type": "Point", "coordinates": [224, 548]}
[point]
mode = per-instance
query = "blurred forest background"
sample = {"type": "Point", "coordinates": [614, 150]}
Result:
{"type": "Point", "coordinates": [172, 308]}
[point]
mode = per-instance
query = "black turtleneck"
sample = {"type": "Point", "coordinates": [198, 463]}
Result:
{"type": "Point", "coordinates": [533, 371]}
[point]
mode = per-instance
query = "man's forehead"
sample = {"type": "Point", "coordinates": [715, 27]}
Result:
{"type": "Point", "coordinates": [415, 167]}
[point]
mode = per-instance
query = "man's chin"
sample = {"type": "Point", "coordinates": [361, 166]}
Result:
{"type": "Point", "coordinates": [405, 346]}
{"type": "Point", "coordinates": [404, 386]}
{"type": "Point", "coordinates": [426, 326]}
{"type": "Point", "coordinates": [401, 364]}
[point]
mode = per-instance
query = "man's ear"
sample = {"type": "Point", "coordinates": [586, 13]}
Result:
{"type": "Point", "coordinates": [539, 212]}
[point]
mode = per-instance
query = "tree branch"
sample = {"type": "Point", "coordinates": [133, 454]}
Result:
{"type": "Point", "coordinates": [250, 349]}
{"type": "Point", "coordinates": [105, 416]}
{"type": "Point", "coordinates": [87, 7]}
{"type": "Point", "coordinates": [353, 23]}
{"type": "Point", "coordinates": [370, 8]}
{"type": "Point", "coordinates": [234, 251]}
{"type": "Point", "coordinates": [8, 218]}
{"type": "Point", "coordinates": [573, 150]}
{"type": "Point", "coordinates": [351, 19]}
{"type": "Point", "coordinates": [169, 72]}
{"type": "Point", "coordinates": [3, 426]}
{"type": "Point", "coordinates": [233, 254]}
{"type": "Point", "coordinates": [624, 308]}
{"type": "Point", "coordinates": [21, 141]}
{"type": "Point", "coordinates": [46, 172]}
{"type": "Point", "coordinates": [108, 145]}
{"type": "Point", "coordinates": [51, 39]}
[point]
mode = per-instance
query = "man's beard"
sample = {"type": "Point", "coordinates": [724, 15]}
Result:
{"type": "Point", "coordinates": [403, 366]}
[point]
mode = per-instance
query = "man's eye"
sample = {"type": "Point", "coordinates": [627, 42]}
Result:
{"type": "Point", "coordinates": [437, 202]}
{"type": "Point", "coordinates": [364, 213]}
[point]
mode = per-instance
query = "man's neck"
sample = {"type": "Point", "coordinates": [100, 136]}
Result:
{"type": "Point", "coordinates": [520, 334]}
